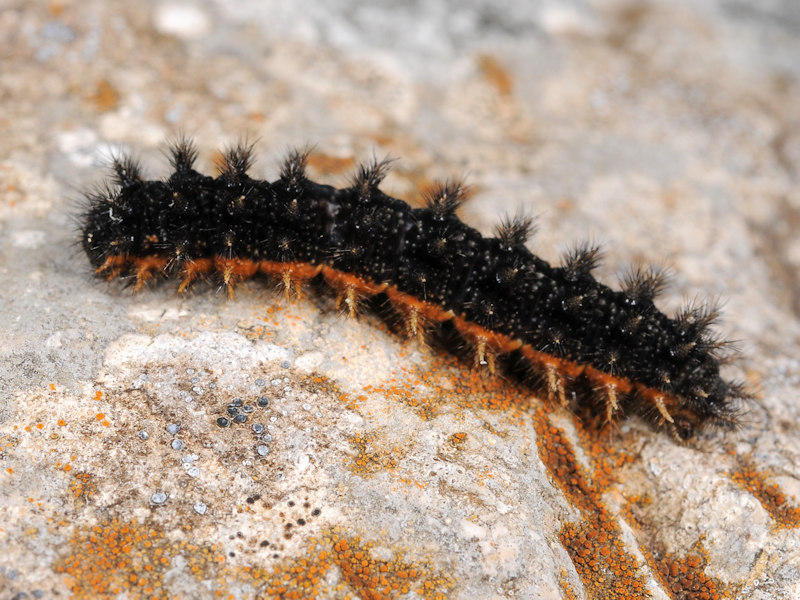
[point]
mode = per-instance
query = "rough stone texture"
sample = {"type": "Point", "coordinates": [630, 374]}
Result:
{"type": "Point", "coordinates": [666, 130]}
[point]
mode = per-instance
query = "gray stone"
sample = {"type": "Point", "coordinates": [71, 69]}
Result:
{"type": "Point", "coordinates": [665, 130]}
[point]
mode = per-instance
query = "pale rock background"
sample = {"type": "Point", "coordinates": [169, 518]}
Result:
{"type": "Point", "coordinates": [668, 131]}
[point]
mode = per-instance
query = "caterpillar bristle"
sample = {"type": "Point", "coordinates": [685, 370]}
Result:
{"type": "Point", "coordinates": [236, 161]}
{"type": "Point", "coordinates": [644, 283]}
{"type": "Point", "coordinates": [444, 198]}
{"type": "Point", "coordinates": [369, 176]}
{"type": "Point", "coordinates": [293, 170]}
{"type": "Point", "coordinates": [581, 260]}
{"type": "Point", "coordinates": [516, 230]}
{"type": "Point", "coordinates": [127, 170]}
{"type": "Point", "coordinates": [182, 154]}
{"type": "Point", "coordinates": [697, 317]}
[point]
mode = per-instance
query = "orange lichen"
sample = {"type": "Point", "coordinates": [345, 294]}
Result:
{"type": "Point", "coordinates": [325, 163]}
{"type": "Point", "coordinates": [567, 593]}
{"type": "Point", "coordinates": [369, 460]}
{"type": "Point", "coordinates": [361, 574]}
{"type": "Point", "coordinates": [594, 543]}
{"type": "Point", "coordinates": [684, 577]}
{"type": "Point", "coordinates": [557, 454]}
{"type": "Point", "coordinates": [105, 97]}
{"type": "Point", "coordinates": [457, 439]}
{"type": "Point", "coordinates": [128, 557]}
{"type": "Point", "coordinates": [83, 486]}
{"type": "Point", "coordinates": [445, 379]}
{"type": "Point", "coordinates": [607, 569]}
{"type": "Point", "coordinates": [495, 74]}
{"type": "Point", "coordinates": [607, 456]}
{"type": "Point", "coordinates": [782, 508]}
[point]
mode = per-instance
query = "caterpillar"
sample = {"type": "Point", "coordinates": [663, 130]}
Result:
{"type": "Point", "coordinates": [607, 353]}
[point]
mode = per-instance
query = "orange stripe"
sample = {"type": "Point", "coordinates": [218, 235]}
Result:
{"type": "Point", "coordinates": [243, 268]}
{"type": "Point", "coordinates": [343, 281]}
{"type": "Point", "coordinates": [299, 271]}
{"type": "Point", "coordinates": [402, 301]}
{"type": "Point", "coordinates": [498, 342]}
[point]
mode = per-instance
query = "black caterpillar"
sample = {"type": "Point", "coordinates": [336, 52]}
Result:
{"type": "Point", "coordinates": [607, 352]}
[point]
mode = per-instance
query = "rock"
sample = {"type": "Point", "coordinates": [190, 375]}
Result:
{"type": "Point", "coordinates": [381, 468]}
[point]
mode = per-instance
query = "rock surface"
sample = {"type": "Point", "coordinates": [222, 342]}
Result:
{"type": "Point", "coordinates": [369, 467]}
